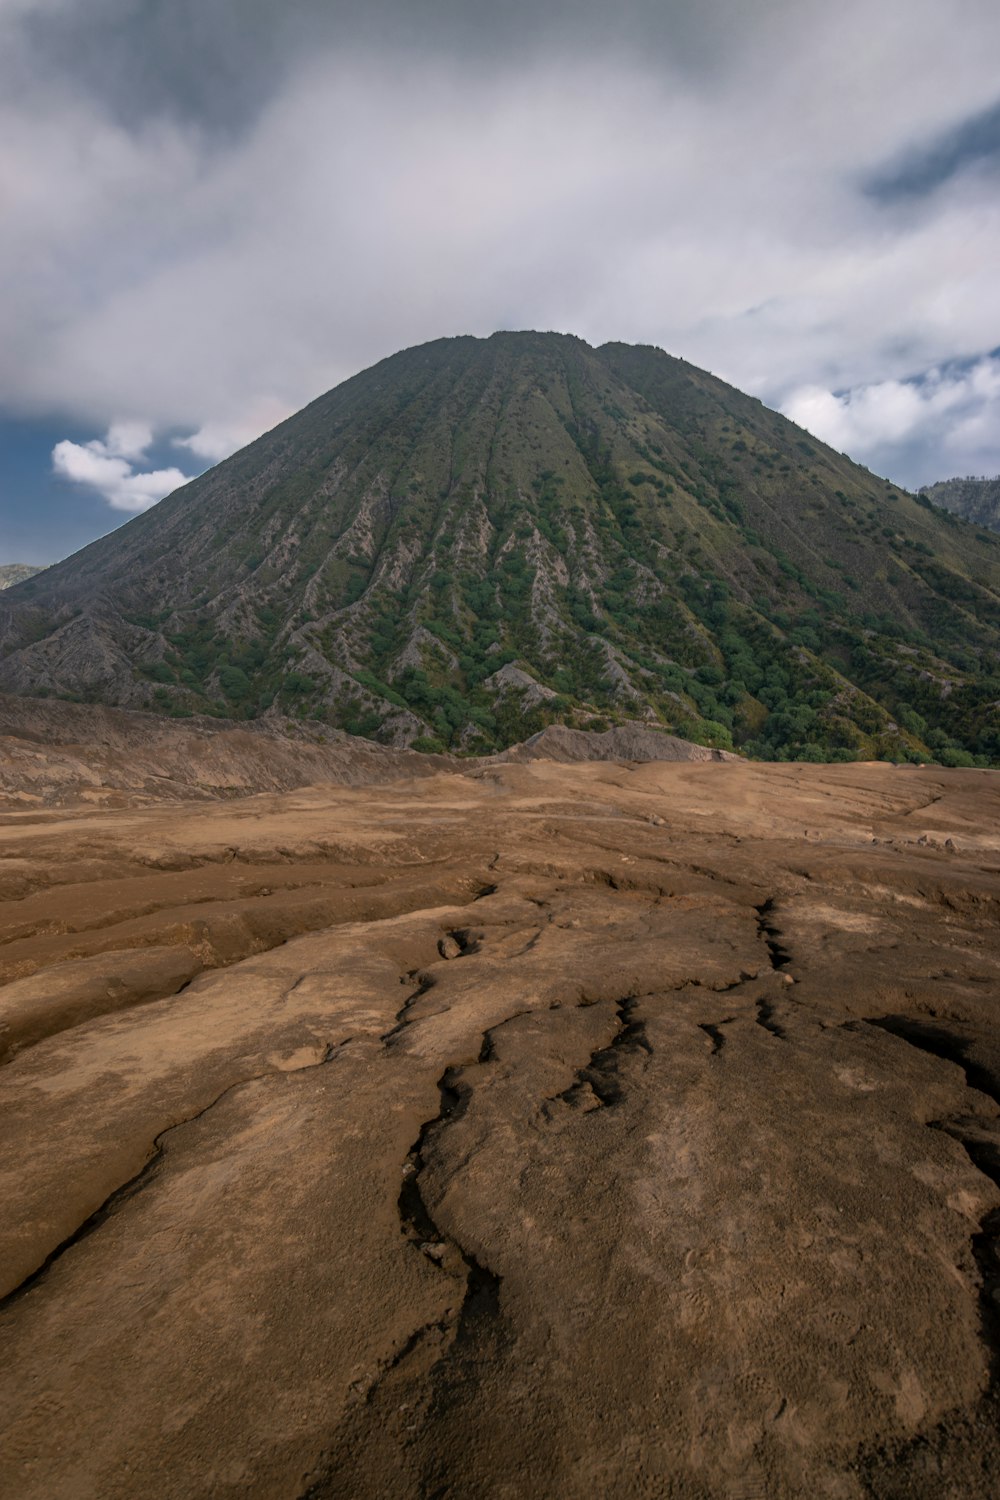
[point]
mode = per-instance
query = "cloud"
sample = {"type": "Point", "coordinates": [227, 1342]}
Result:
{"type": "Point", "coordinates": [106, 465]}
{"type": "Point", "coordinates": [124, 440]}
{"type": "Point", "coordinates": [221, 62]}
{"type": "Point", "coordinates": [923, 169]}
{"type": "Point", "coordinates": [215, 441]}
{"type": "Point", "coordinates": [942, 423]}
{"type": "Point", "coordinates": [216, 210]}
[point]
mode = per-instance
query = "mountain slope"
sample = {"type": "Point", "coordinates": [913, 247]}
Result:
{"type": "Point", "coordinates": [975, 500]}
{"type": "Point", "coordinates": [476, 537]}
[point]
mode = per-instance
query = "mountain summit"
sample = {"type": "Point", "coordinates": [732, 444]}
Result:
{"type": "Point", "coordinates": [477, 537]}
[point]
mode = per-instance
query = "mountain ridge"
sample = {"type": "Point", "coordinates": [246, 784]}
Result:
{"type": "Point", "coordinates": [477, 537]}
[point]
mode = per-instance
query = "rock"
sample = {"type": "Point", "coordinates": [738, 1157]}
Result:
{"type": "Point", "coordinates": [511, 679]}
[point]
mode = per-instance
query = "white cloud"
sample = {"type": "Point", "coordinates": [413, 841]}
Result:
{"type": "Point", "coordinates": [943, 424]}
{"type": "Point", "coordinates": [215, 441]}
{"type": "Point", "coordinates": [860, 419]}
{"type": "Point", "coordinates": [125, 440]}
{"type": "Point", "coordinates": [106, 465]}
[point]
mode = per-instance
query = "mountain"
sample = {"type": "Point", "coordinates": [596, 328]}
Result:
{"type": "Point", "coordinates": [975, 500]}
{"type": "Point", "coordinates": [11, 573]}
{"type": "Point", "coordinates": [478, 537]}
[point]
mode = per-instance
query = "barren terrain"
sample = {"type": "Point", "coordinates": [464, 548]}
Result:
{"type": "Point", "coordinates": [539, 1130]}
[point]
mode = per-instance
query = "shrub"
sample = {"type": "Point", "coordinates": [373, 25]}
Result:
{"type": "Point", "coordinates": [235, 683]}
{"type": "Point", "coordinates": [953, 757]}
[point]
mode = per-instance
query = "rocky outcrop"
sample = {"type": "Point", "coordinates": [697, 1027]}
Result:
{"type": "Point", "coordinates": [975, 500]}
{"type": "Point", "coordinates": [512, 679]}
{"type": "Point", "coordinates": [12, 573]}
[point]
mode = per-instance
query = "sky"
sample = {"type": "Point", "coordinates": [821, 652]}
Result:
{"type": "Point", "coordinates": [214, 210]}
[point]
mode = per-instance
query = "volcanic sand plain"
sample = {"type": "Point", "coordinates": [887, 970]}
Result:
{"type": "Point", "coordinates": [543, 1130]}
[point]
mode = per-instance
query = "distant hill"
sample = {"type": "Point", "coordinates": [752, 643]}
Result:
{"type": "Point", "coordinates": [975, 500]}
{"type": "Point", "coordinates": [11, 573]}
{"type": "Point", "coordinates": [480, 537]}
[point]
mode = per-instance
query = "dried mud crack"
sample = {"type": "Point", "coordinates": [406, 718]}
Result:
{"type": "Point", "coordinates": [715, 1033]}
{"type": "Point", "coordinates": [964, 1442]}
{"type": "Point", "coordinates": [663, 1161]}
{"type": "Point", "coordinates": [979, 1135]}
{"type": "Point", "coordinates": [771, 935]}
{"type": "Point", "coordinates": [122, 1195]}
{"type": "Point", "coordinates": [481, 1297]}
{"type": "Point", "coordinates": [601, 1082]}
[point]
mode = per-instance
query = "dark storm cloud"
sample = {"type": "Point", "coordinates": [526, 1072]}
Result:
{"type": "Point", "coordinates": [219, 62]}
{"type": "Point", "coordinates": [922, 170]}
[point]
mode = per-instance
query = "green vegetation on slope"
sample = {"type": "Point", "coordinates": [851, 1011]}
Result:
{"type": "Point", "coordinates": [478, 537]}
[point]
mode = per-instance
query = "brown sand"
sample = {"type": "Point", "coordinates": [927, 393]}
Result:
{"type": "Point", "coordinates": [549, 1130]}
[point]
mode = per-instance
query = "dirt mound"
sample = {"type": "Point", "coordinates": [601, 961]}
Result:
{"type": "Point", "coordinates": [55, 753]}
{"type": "Point", "coordinates": [633, 741]}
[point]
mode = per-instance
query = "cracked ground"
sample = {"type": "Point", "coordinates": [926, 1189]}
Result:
{"type": "Point", "coordinates": [557, 1131]}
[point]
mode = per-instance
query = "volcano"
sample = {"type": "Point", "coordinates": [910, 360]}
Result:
{"type": "Point", "coordinates": [478, 537]}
